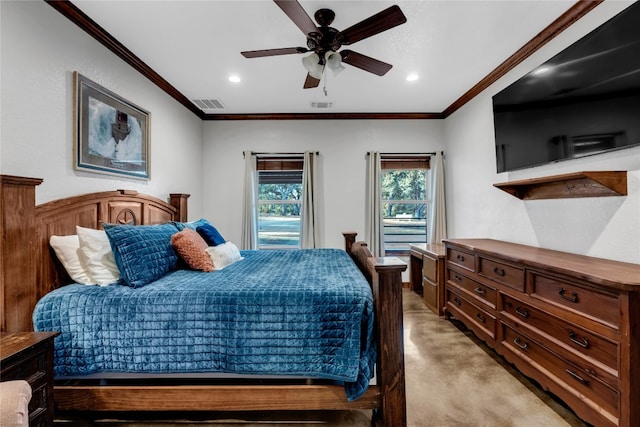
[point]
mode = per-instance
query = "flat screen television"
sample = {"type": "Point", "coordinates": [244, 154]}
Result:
{"type": "Point", "coordinates": [583, 101]}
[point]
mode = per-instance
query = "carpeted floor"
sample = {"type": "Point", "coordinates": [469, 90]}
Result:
{"type": "Point", "coordinates": [452, 380]}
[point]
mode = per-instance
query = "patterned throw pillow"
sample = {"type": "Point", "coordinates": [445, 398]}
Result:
{"type": "Point", "coordinates": [192, 249]}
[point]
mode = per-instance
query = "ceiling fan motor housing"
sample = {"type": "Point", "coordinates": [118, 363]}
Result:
{"type": "Point", "coordinates": [328, 38]}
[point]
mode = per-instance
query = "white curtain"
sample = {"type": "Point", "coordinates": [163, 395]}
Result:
{"type": "Point", "coordinates": [249, 211]}
{"type": "Point", "coordinates": [309, 220]}
{"type": "Point", "coordinates": [374, 234]}
{"type": "Point", "coordinates": [438, 217]}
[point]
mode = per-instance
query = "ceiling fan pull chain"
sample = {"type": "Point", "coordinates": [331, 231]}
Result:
{"type": "Point", "coordinates": [324, 87]}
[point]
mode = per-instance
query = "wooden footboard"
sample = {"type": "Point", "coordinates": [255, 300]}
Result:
{"type": "Point", "coordinates": [30, 270]}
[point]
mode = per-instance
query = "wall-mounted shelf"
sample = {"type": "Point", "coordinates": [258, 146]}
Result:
{"type": "Point", "coordinates": [577, 184]}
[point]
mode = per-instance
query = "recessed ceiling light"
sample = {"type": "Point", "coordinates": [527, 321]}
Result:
{"type": "Point", "coordinates": [412, 77]}
{"type": "Point", "coordinates": [234, 78]}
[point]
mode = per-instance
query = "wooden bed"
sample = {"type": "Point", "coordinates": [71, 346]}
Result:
{"type": "Point", "coordinates": [30, 270]}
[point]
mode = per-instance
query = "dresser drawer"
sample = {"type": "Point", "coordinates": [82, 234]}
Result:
{"type": "Point", "coordinates": [484, 294]}
{"type": "Point", "coordinates": [596, 305]}
{"type": "Point", "coordinates": [480, 319]}
{"type": "Point", "coordinates": [430, 268]}
{"type": "Point", "coordinates": [587, 386]}
{"type": "Point", "coordinates": [461, 258]}
{"type": "Point", "coordinates": [578, 340]}
{"type": "Point", "coordinates": [505, 274]}
{"type": "Point", "coordinates": [430, 295]}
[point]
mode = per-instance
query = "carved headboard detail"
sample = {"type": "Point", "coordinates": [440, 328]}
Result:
{"type": "Point", "coordinates": [26, 228]}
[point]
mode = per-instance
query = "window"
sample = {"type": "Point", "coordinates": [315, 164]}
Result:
{"type": "Point", "coordinates": [405, 202]}
{"type": "Point", "coordinates": [279, 203]}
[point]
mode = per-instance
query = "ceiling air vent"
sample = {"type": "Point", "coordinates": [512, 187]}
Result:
{"type": "Point", "coordinates": [321, 104]}
{"type": "Point", "coordinates": [208, 104]}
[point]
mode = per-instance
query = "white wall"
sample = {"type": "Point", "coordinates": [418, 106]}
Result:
{"type": "Point", "coordinates": [342, 164]}
{"type": "Point", "coordinates": [606, 227]}
{"type": "Point", "coordinates": [40, 49]}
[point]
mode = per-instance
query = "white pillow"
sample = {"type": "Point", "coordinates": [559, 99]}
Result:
{"type": "Point", "coordinates": [98, 256]}
{"type": "Point", "coordinates": [224, 255]}
{"type": "Point", "coordinates": [67, 249]}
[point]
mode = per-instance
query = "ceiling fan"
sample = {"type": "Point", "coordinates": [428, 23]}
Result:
{"type": "Point", "coordinates": [325, 41]}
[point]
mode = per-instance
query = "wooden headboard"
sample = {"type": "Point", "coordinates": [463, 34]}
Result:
{"type": "Point", "coordinates": [29, 266]}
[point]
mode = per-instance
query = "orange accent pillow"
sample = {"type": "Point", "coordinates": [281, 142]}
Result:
{"type": "Point", "coordinates": [192, 249]}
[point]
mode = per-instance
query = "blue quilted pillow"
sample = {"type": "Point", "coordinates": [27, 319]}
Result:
{"type": "Point", "coordinates": [143, 253]}
{"type": "Point", "coordinates": [210, 234]}
{"type": "Point", "coordinates": [192, 224]}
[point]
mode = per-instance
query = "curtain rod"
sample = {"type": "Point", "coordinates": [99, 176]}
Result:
{"type": "Point", "coordinates": [407, 154]}
{"type": "Point", "coordinates": [258, 153]}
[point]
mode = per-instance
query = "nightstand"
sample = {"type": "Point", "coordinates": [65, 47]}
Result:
{"type": "Point", "coordinates": [427, 274]}
{"type": "Point", "coordinates": [29, 356]}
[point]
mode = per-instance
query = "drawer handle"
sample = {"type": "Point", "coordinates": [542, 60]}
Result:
{"type": "Point", "coordinates": [577, 377]}
{"type": "Point", "coordinates": [572, 298]}
{"type": "Point", "coordinates": [457, 301]}
{"type": "Point", "coordinates": [481, 318]}
{"type": "Point", "coordinates": [460, 258]}
{"type": "Point", "coordinates": [522, 313]}
{"type": "Point", "coordinates": [480, 291]}
{"type": "Point", "coordinates": [498, 271]}
{"type": "Point", "coordinates": [457, 278]}
{"type": "Point", "coordinates": [581, 341]}
{"type": "Point", "coordinates": [523, 345]}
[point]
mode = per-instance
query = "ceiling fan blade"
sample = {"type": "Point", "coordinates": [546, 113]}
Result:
{"type": "Point", "coordinates": [311, 82]}
{"type": "Point", "coordinates": [373, 25]}
{"type": "Point", "coordinates": [364, 62]}
{"type": "Point", "coordinates": [298, 15]}
{"type": "Point", "coordinates": [273, 52]}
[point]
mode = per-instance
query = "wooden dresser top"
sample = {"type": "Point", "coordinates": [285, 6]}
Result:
{"type": "Point", "coordinates": [434, 249]}
{"type": "Point", "coordinates": [614, 274]}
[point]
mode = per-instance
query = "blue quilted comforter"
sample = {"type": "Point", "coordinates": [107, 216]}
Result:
{"type": "Point", "coordinates": [303, 312]}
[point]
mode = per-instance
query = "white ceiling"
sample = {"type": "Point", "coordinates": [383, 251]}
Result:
{"type": "Point", "coordinates": [196, 45]}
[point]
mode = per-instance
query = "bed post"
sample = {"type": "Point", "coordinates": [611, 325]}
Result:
{"type": "Point", "coordinates": [19, 291]}
{"type": "Point", "coordinates": [387, 293]}
{"type": "Point", "coordinates": [385, 277]}
{"type": "Point", "coordinates": [349, 240]}
{"type": "Point", "coordinates": [179, 201]}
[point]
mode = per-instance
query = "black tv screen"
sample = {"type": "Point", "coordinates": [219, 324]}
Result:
{"type": "Point", "coordinates": [583, 101]}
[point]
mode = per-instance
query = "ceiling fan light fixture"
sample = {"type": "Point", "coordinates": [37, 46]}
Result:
{"type": "Point", "coordinates": [334, 62]}
{"type": "Point", "coordinates": [313, 65]}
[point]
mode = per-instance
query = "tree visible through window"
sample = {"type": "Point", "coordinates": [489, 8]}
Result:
{"type": "Point", "coordinates": [404, 203]}
{"type": "Point", "coordinates": [279, 203]}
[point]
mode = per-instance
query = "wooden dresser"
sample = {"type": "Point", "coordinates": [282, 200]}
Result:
{"type": "Point", "coordinates": [29, 356]}
{"type": "Point", "coordinates": [570, 322]}
{"type": "Point", "coordinates": [427, 274]}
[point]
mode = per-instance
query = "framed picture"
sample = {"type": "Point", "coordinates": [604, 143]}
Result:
{"type": "Point", "coordinates": [111, 134]}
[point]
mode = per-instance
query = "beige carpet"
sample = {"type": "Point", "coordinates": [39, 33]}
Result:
{"type": "Point", "coordinates": [452, 381]}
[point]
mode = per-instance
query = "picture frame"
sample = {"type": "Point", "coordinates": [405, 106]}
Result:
{"type": "Point", "coordinates": [112, 135]}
